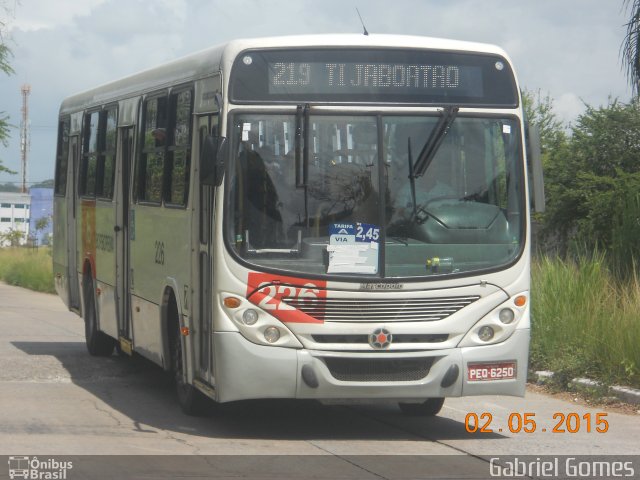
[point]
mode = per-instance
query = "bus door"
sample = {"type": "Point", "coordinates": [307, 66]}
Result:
{"type": "Point", "coordinates": [72, 223]}
{"type": "Point", "coordinates": [204, 271]}
{"type": "Point", "coordinates": [122, 233]}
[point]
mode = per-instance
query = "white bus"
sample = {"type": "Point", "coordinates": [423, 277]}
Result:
{"type": "Point", "coordinates": [313, 217]}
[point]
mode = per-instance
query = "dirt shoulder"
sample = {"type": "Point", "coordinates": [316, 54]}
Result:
{"type": "Point", "coordinates": [610, 404]}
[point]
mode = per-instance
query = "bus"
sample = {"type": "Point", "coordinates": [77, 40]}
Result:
{"type": "Point", "coordinates": [307, 217]}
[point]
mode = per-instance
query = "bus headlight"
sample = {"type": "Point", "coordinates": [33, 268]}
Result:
{"type": "Point", "coordinates": [500, 323]}
{"type": "Point", "coordinates": [254, 324]}
{"type": "Point", "coordinates": [506, 316]}
{"type": "Point", "coordinates": [271, 334]}
{"type": "Point", "coordinates": [486, 333]}
{"type": "Point", "coordinates": [250, 316]}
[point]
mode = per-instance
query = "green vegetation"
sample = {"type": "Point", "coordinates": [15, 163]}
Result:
{"type": "Point", "coordinates": [28, 268]}
{"type": "Point", "coordinates": [5, 68]}
{"type": "Point", "coordinates": [585, 321]}
{"type": "Point", "coordinates": [585, 282]}
{"type": "Point", "coordinates": [592, 184]}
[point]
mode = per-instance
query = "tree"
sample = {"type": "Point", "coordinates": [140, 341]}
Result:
{"type": "Point", "coordinates": [593, 180]}
{"type": "Point", "coordinates": [13, 237]}
{"type": "Point", "coordinates": [631, 45]}
{"type": "Point", "coordinates": [45, 184]}
{"type": "Point", "coordinates": [5, 67]}
{"type": "Point", "coordinates": [42, 223]}
{"type": "Point", "coordinates": [5, 52]}
{"type": "Point", "coordinates": [538, 110]}
{"type": "Point", "coordinates": [9, 187]}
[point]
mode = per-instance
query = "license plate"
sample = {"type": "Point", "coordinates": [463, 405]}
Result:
{"type": "Point", "coordinates": [483, 372]}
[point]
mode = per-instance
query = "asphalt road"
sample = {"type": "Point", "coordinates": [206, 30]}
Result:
{"type": "Point", "coordinates": [57, 401]}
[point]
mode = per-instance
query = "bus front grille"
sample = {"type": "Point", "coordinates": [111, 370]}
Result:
{"type": "Point", "coordinates": [380, 310]}
{"type": "Point", "coordinates": [378, 369]}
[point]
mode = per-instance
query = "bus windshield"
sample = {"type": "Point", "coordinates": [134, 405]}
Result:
{"type": "Point", "coordinates": [356, 204]}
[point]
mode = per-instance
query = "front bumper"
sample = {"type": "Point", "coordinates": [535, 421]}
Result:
{"type": "Point", "coordinates": [245, 370]}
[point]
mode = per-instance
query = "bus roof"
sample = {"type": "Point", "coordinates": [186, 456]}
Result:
{"type": "Point", "coordinates": [220, 57]}
{"type": "Point", "coordinates": [359, 40]}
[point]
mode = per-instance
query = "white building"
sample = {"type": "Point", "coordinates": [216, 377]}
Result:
{"type": "Point", "coordinates": [15, 212]}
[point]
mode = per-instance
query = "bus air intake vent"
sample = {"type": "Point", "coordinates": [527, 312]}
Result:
{"type": "Point", "coordinates": [378, 369]}
{"type": "Point", "coordinates": [380, 310]}
{"type": "Point", "coordinates": [364, 339]}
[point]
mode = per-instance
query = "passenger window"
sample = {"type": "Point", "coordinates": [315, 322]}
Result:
{"type": "Point", "coordinates": [99, 150]}
{"type": "Point", "coordinates": [179, 158]}
{"type": "Point", "coordinates": [152, 159]}
{"type": "Point", "coordinates": [88, 167]}
{"type": "Point", "coordinates": [107, 158]}
{"type": "Point", "coordinates": [62, 157]}
{"type": "Point", "coordinates": [165, 160]}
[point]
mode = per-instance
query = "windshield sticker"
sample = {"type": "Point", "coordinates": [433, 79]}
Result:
{"type": "Point", "coordinates": [353, 248]}
{"type": "Point", "coordinates": [246, 128]}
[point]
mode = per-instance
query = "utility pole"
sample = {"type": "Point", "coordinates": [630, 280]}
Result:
{"type": "Point", "coordinates": [25, 141]}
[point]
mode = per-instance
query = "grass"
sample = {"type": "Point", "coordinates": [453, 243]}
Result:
{"type": "Point", "coordinates": [585, 321]}
{"type": "Point", "coordinates": [28, 268]}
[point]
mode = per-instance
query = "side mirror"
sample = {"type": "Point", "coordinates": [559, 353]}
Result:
{"type": "Point", "coordinates": [212, 160]}
{"type": "Point", "coordinates": [534, 157]}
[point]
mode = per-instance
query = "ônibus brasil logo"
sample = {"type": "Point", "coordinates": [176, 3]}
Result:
{"type": "Point", "coordinates": [33, 468]}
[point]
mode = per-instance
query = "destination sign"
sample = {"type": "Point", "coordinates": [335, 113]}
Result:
{"type": "Point", "coordinates": [373, 76]}
{"type": "Point", "coordinates": [291, 77]}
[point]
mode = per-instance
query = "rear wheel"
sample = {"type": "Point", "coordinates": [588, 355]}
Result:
{"type": "Point", "coordinates": [428, 408]}
{"type": "Point", "coordinates": [192, 401]}
{"type": "Point", "coordinates": [99, 343]}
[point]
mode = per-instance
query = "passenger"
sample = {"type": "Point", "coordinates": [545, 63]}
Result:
{"type": "Point", "coordinates": [262, 217]}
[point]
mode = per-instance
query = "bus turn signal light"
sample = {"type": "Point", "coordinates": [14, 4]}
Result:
{"type": "Point", "coordinates": [231, 302]}
{"type": "Point", "coordinates": [184, 331]}
{"type": "Point", "coordinates": [520, 301]}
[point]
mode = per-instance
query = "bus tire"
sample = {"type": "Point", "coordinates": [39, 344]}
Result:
{"type": "Point", "coordinates": [191, 400]}
{"type": "Point", "coordinates": [99, 344]}
{"type": "Point", "coordinates": [429, 408]}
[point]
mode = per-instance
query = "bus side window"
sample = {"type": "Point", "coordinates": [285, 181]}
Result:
{"type": "Point", "coordinates": [150, 171]}
{"type": "Point", "coordinates": [178, 162]}
{"type": "Point", "coordinates": [107, 153]}
{"type": "Point", "coordinates": [89, 163]}
{"type": "Point", "coordinates": [62, 157]}
{"type": "Point", "coordinates": [97, 167]}
{"type": "Point", "coordinates": [206, 129]}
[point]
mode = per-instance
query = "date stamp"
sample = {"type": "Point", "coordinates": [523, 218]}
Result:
{"type": "Point", "coordinates": [528, 423]}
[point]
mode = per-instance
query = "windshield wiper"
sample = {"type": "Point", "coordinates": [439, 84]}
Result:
{"type": "Point", "coordinates": [412, 179]}
{"type": "Point", "coordinates": [433, 143]}
{"type": "Point", "coordinates": [418, 215]}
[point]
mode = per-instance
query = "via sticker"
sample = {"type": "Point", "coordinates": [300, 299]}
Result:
{"type": "Point", "coordinates": [353, 248]}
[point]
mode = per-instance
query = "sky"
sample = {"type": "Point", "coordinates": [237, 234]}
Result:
{"type": "Point", "coordinates": [567, 49]}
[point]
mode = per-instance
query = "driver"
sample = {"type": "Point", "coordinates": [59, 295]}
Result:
{"type": "Point", "coordinates": [431, 186]}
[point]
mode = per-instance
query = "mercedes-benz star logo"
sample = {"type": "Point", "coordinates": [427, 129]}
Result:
{"type": "Point", "coordinates": [380, 338]}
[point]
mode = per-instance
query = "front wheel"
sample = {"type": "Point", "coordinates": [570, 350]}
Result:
{"type": "Point", "coordinates": [192, 401]}
{"type": "Point", "coordinates": [429, 408]}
